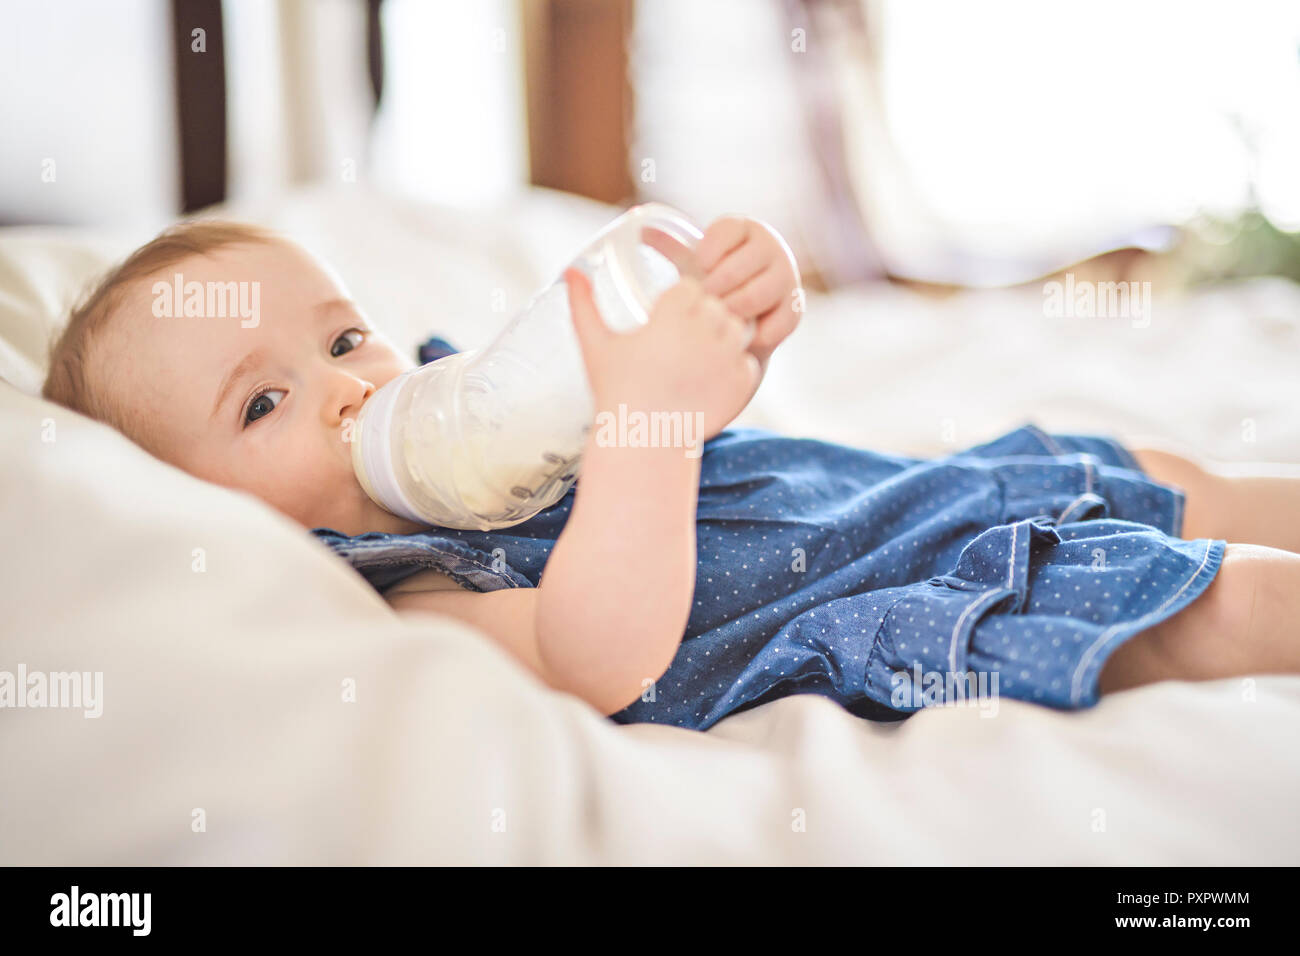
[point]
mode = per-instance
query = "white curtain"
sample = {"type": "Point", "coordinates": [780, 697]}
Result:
{"type": "Point", "coordinates": [299, 101]}
{"type": "Point", "coordinates": [87, 113]}
{"type": "Point", "coordinates": [1015, 136]}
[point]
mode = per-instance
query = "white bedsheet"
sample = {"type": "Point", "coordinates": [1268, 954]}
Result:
{"type": "Point", "coordinates": [224, 688]}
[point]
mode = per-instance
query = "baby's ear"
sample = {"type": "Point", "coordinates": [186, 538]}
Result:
{"type": "Point", "coordinates": [435, 348]}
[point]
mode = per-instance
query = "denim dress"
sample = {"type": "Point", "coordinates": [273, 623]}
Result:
{"type": "Point", "coordinates": [887, 583]}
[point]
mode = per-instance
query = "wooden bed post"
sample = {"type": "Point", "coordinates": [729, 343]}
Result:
{"type": "Point", "coordinates": [200, 59]}
{"type": "Point", "coordinates": [578, 96]}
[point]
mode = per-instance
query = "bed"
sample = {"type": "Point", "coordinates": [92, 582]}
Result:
{"type": "Point", "coordinates": [262, 705]}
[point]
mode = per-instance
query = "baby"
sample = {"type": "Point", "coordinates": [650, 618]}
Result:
{"type": "Point", "coordinates": [678, 588]}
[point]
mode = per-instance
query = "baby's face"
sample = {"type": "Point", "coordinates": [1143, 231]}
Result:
{"type": "Point", "coordinates": [265, 408]}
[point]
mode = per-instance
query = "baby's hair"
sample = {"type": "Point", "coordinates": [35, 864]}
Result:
{"type": "Point", "coordinates": [69, 382]}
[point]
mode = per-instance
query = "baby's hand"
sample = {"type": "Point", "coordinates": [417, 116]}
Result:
{"type": "Point", "coordinates": [691, 356]}
{"type": "Point", "coordinates": [749, 266]}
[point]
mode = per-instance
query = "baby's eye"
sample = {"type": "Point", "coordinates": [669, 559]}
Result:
{"type": "Point", "coordinates": [262, 405]}
{"type": "Point", "coordinates": [348, 342]}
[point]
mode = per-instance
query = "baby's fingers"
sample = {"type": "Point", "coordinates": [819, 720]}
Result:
{"type": "Point", "coordinates": [736, 331]}
{"type": "Point", "coordinates": [587, 322]}
{"type": "Point", "coordinates": [738, 267]}
{"type": "Point", "coordinates": [678, 301]}
{"type": "Point", "coordinates": [774, 328]}
{"type": "Point", "coordinates": [748, 372]}
{"type": "Point", "coordinates": [761, 293]}
{"type": "Point", "coordinates": [720, 238]}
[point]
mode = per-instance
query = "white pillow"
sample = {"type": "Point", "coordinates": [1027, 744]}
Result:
{"type": "Point", "coordinates": [251, 679]}
{"type": "Point", "coordinates": [42, 273]}
{"type": "Point", "coordinates": [232, 646]}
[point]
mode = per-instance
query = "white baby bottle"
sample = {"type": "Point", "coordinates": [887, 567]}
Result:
{"type": "Point", "coordinates": [487, 439]}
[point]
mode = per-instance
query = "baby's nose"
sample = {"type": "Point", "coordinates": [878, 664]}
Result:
{"type": "Point", "coordinates": [349, 399]}
{"type": "Point", "coordinates": [355, 401]}
{"type": "Point", "coordinates": [365, 397]}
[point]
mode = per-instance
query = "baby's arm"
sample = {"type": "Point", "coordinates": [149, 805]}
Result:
{"type": "Point", "coordinates": [613, 601]}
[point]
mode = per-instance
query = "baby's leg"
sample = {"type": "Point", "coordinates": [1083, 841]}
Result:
{"type": "Point", "coordinates": [1246, 622]}
{"type": "Point", "coordinates": [1259, 504]}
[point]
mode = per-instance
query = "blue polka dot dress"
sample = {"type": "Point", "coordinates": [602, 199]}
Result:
{"type": "Point", "coordinates": [886, 583]}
